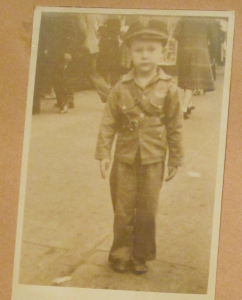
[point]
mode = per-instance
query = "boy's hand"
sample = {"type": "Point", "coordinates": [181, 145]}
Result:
{"type": "Point", "coordinates": [104, 165]}
{"type": "Point", "coordinates": [67, 57]}
{"type": "Point", "coordinates": [171, 173]}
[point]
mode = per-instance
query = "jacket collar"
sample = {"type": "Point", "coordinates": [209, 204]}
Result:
{"type": "Point", "coordinates": [160, 75]}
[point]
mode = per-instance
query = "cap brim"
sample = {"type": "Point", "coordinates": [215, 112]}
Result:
{"type": "Point", "coordinates": [146, 35]}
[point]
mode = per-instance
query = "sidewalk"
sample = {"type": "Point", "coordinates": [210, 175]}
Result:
{"type": "Point", "coordinates": [68, 213]}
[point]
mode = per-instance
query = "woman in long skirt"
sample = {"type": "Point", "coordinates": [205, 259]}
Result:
{"type": "Point", "coordinates": [194, 65]}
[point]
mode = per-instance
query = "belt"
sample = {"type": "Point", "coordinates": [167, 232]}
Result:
{"type": "Point", "coordinates": [137, 124]}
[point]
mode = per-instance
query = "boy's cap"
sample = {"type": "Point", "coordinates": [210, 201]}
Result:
{"type": "Point", "coordinates": [151, 29]}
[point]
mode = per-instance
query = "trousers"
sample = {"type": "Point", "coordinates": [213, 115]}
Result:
{"type": "Point", "coordinates": [135, 194]}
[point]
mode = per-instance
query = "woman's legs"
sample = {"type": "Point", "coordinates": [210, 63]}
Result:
{"type": "Point", "coordinates": [187, 102]}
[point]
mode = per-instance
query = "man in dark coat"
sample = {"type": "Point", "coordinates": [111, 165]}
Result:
{"type": "Point", "coordinates": [108, 61]}
{"type": "Point", "coordinates": [60, 37]}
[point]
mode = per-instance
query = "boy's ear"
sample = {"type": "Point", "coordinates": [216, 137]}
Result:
{"type": "Point", "coordinates": [129, 51]}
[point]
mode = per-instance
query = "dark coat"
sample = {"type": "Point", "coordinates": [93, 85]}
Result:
{"type": "Point", "coordinates": [109, 50]}
{"type": "Point", "coordinates": [194, 34]}
{"type": "Point", "coordinates": [60, 34]}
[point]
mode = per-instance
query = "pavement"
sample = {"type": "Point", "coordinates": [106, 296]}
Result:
{"type": "Point", "coordinates": [68, 217]}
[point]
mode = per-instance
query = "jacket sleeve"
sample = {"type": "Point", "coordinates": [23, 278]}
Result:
{"type": "Point", "coordinates": [174, 126]}
{"type": "Point", "coordinates": [108, 127]}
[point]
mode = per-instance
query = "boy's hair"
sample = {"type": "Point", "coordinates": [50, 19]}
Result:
{"type": "Point", "coordinates": [150, 30]}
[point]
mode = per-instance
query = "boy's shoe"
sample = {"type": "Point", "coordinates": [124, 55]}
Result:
{"type": "Point", "coordinates": [120, 266]}
{"type": "Point", "coordinates": [139, 266]}
{"type": "Point", "coordinates": [64, 109]}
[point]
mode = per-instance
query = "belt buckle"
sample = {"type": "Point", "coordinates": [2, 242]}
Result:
{"type": "Point", "coordinates": [134, 124]}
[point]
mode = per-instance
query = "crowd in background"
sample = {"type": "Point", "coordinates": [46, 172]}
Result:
{"type": "Point", "coordinates": [86, 51]}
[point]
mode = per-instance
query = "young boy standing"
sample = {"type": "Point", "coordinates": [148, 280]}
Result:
{"type": "Point", "coordinates": [144, 111]}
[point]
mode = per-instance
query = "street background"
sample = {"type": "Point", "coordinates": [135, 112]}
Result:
{"type": "Point", "coordinates": [68, 219]}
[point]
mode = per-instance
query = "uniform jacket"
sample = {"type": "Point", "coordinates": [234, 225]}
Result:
{"type": "Point", "coordinates": [148, 119]}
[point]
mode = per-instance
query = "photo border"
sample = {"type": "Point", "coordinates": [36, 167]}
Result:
{"type": "Point", "coordinates": [23, 292]}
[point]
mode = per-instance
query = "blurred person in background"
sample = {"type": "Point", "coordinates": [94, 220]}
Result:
{"type": "Point", "coordinates": [90, 23]}
{"type": "Point", "coordinates": [194, 34]}
{"type": "Point", "coordinates": [59, 38]}
{"type": "Point", "coordinates": [108, 60]}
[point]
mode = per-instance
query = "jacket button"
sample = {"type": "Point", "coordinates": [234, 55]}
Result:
{"type": "Point", "coordinates": [159, 106]}
{"type": "Point", "coordinates": [144, 97]}
{"type": "Point", "coordinates": [123, 107]}
{"type": "Point", "coordinates": [142, 115]}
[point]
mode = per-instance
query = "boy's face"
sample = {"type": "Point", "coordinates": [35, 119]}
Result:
{"type": "Point", "coordinates": [145, 54]}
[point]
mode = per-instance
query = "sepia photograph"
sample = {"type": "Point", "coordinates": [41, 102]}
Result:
{"type": "Point", "coordinates": [124, 151]}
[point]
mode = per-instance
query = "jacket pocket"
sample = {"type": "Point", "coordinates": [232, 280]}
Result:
{"type": "Point", "coordinates": [126, 103]}
{"type": "Point", "coordinates": [156, 104]}
{"type": "Point", "coordinates": [158, 100]}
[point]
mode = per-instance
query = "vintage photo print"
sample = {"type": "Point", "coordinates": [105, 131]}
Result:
{"type": "Point", "coordinates": [123, 158]}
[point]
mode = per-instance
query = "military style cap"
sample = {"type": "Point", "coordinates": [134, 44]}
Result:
{"type": "Point", "coordinates": [149, 29]}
